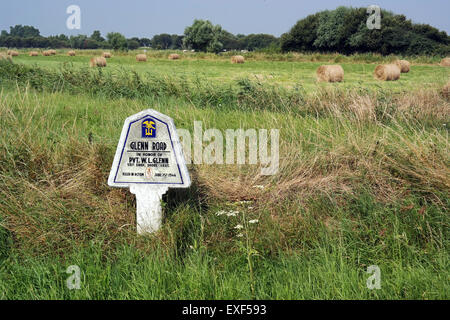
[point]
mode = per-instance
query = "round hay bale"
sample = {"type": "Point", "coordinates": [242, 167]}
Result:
{"type": "Point", "coordinates": [174, 56]}
{"type": "Point", "coordinates": [387, 72]}
{"type": "Point", "coordinates": [71, 53]}
{"type": "Point", "coordinates": [446, 90]}
{"type": "Point", "coordinates": [404, 65]}
{"type": "Point", "coordinates": [445, 62]}
{"type": "Point", "coordinates": [13, 53]}
{"type": "Point", "coordinates": [46, 53]}
{"type": "Point", "coordinates": [106, 55]}
{"type": "Point", "coordinates": [330, 73]}
{"type": "Point", "coordinates": [237, 59]}
{"type": "Point", "coordinates": [6, 57]}
{"type": "Point", "coordinates": [52, 52]}
{"type": "Point", "coordinates": [97, 62]}
{"type": "Point", "coordinates": [33, 54]}
{"type": "Point", "coordinates": [141, 58]}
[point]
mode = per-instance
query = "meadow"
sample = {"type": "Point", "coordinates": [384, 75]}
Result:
{"type": "Point", "coordinates": [298, 71]}
{"type": "Point", "coordinates": [363, 180]}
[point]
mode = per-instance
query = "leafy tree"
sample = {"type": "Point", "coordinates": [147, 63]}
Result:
{"type": "Point", "coordinates": [162, 41]}
{"type": "Point", "coordinates": [431, 33]}
{"type": "Point", "coordinates": [41, 42]}
{"type": "Point", "coordinates": [56, 41]}
{"type": "Point", "coordinates": [78, 42]}
{"type": "Point", "coordinates": [23, 31]}
{"type": "Point", "coordinates": [335, 27]}
{"type": "Point", "coordinates": [117, 41]}
{"type": "Point", "coordinates": [229, 40]}
{"type": "Point", "coordinates": [145, 42]}
{"type": "Point", "coordinates": [257, 41]}
{"type": "Point", "coordinates": [176, 41]}
{"type": "Point", "coordinates": [302, 35]}
{"type": "Point", "coordinates": [97, 36]}
{"type": "Point", "coordinates": [132, 44]}
{"type": "Point", "coordinates": [62, 37]}
{"type": "Point", "coordinates": [215, 45]}
{"type": "Point", "coordinates": [90, 44]}
{"type": "Point", "coordinates": [345, 30]}
{"type": "Point", "coordinates": [203, 36]}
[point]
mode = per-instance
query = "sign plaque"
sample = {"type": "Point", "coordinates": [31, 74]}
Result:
{"type": "Point", "coordinates": [149, 160]}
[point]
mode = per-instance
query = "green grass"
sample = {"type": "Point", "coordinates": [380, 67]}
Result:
{"type": "Point", "coordinates": [324, 273]}
{"type": "Point", "coordinates": [363, 180]}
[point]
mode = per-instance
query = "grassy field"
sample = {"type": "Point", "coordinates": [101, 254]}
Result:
{"type": "Point", "coordinates": [363, 180]}
{"type": "Point", "coordinates": [300, 73]}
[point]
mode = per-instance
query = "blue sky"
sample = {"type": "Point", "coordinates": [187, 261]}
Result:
{"type": "Point", "coordinates": [144, 18]}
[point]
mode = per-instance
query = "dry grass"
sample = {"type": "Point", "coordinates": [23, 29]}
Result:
{"type": "Point", "coordinates": [390, 160]}
{"type": "Point", "coordinates": [391, 167]}
{"type": "Point", "coordinates": [55, 196]}
{"type": "Point", "coordinates": [59, 196]}
{"type": "Point", "coordinates": [6, 57]}
{"type": "Point", "coordinates": [423, 105]}
{"type": "Point", "coordinates": [420, 105]}
{"type": "Point", "coordinates": [446, 90]}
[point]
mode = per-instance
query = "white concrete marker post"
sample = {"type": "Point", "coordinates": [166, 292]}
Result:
{"type": "Point", "coordinates": [149, 160]}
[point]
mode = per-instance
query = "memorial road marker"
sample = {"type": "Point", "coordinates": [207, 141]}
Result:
{"type": "Point", "coordinates": [149, 160]}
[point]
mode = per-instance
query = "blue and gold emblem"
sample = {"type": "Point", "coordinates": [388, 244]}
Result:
{"type": "Point", "coordinates": [148, 128]}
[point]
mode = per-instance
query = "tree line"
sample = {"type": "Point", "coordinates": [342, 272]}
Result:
{"type": "Point", "coordinates": [341, 30]}
{"type": "Point", "coordinates": [29, 37]}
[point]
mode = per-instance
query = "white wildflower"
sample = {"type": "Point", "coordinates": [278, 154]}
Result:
{"type": "Point", "coordinates": [240, 235]}
{"type": "Point", "coordinates": [232, 213]}
{"type": "Point", "coordinates": [254, 221]}
{"type": "Point", "coordinates": [259, 186]}
{"type": "Point", "coordinates": [239, 226]}
{"type": "Point", "coordinates": [229, 213]}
